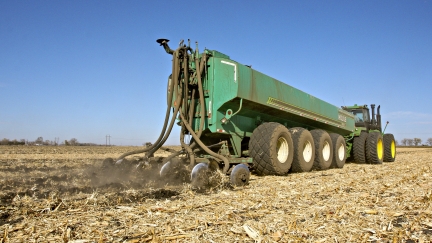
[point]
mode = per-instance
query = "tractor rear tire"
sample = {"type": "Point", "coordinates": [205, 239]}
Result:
{"type": "Point", "coordinates": [304, 150]}
{"type": "Point", "coordinates": [374, 148]}
{"type": "Point", "coordinates": [271, 149]}
{"type": "Point", "coordinates": [389, 148]}
{"type": "Point", "coordinates": [339, 151]}
{"type": "Point", "coordinates": [359, 146]}
{"type": "Point", "coordinates": [323, 149]}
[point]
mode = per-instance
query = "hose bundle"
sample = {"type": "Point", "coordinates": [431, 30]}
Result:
{"type": "Point", "coordinates": [185, 82]}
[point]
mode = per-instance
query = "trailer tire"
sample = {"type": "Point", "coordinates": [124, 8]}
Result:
{"type": "Point", "coordinates": [323, 149]}
{"type": "Point", "coordinates": [304, 150]}
{"type": "Point", "coordinates": [271, 149]}
{"type": "Point", "coordinates": [359, 146]}
{"type": "Point", "coordinates": [389, 148]}
{"type": "Point", "coordinates": [339, 151]}
{"type": "Point", "coordinates": [374, 148]}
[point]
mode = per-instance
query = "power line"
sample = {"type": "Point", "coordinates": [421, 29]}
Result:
{"type": "Point", "coordinates": [108, 140]}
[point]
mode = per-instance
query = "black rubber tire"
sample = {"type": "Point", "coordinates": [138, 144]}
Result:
{"type": "Point", "coordinates": [303, 143]}
{"type": "Point", "coordinates": [374, 148]}
{"type": "Point", "coordinates": [263, 149]}
{"type": "Point", "coordinates": [389, 148]}
{"type": "Point", "coordinates": [359, 146]}
{"type": "Point", "coordinates": [240, 175]}
{"type": "Point", "coordinates": [323, 149]}
{"type": "Point", "coordinates": [339, 148]}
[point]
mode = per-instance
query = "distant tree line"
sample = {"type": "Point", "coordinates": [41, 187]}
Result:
{"type": "Point", "coordinates": [415, 142]}
{"type": "Point", "coordinates": [40, 141]}
{"type": "Point", "coordinates": [6, 141]}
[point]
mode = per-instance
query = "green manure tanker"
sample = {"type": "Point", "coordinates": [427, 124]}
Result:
{"type": "Point", "coordinates": [240, 120]}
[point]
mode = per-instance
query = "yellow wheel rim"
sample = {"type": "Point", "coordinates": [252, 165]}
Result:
{"type": "Point", "coordinates": [380, 150]}
{"type": "Point", "coordinates": [393, 149]}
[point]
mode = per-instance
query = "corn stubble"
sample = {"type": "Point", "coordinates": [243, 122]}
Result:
{"type": "Point", "coordinates": [62, 194]}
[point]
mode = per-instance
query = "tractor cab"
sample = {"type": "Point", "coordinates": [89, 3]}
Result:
{"type": "Point", "coordinates": [362, 117]}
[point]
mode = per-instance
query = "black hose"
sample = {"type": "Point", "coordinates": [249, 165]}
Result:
{"type": "Point", "coordinates": [167, 114]}
{"type": "Point", "coordinates": [199, 68]}
{"type": "Point", "coordinates": [177, 106]}
{"type": "Point", "coordinates": [180, 87]}
{"type": "Point", "coordinates": [204, 147]}
{"type": "Point", "coordinates": [189, 148]}
{"type": "Point", "coordinates": [175, 154]}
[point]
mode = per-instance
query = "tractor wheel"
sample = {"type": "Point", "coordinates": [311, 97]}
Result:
{"type": "Point", "coordinates": [339, 151]}
{"type": "Point", "coordinates": [304, 150]}
{"type": "Point", "coordinates": [374, 148]}
{"type": "Point", "coordinates": [271, 149]}
{"type": "Point", "coordinates": [323, 149]}
{"type": "Point", "coordinates": [389, 148]}
{"type": "Point", "coordinates": [359, 146]}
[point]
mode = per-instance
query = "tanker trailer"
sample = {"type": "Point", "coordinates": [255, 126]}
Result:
{"type": "Point", "coordinates": [240, 119]}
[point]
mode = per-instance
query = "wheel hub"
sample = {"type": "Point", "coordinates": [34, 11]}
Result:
{"type": "Point", "coordinates": [326, 151]}
{"type": "Point", "coordinates": [341, 152]}
{"type": "Point", "coordinates": [282, 149]}
{"type": "Point", "coordinates": [307, 151]}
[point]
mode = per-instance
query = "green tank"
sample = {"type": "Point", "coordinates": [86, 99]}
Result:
{"type": "Point", "coordinates": [241, 120]}
{"type": "Point", "coordinates": [239, 98]}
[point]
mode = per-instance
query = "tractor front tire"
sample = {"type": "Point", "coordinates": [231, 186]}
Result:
{"type": "Point", "coordinates": [339, 150]}
{"type": "Point", "coordinates": [304, 150]}
{"type": "Point", "coordinates": [271, 149]}
{"type": "Point", "coordinates": [323, 149]}
{"type": "Point", "coordinates": [374, 148]}
{"type": "Point", "coordinates": [359, 146]}
{"type": "Point", "coordinates": [389, 148]}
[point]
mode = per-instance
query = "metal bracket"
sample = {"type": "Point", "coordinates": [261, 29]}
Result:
{"type": "Point", "coordinates": [229, 113]}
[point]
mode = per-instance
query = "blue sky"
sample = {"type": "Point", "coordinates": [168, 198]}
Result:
{"type": "Point", "coordinates": [86, 69]}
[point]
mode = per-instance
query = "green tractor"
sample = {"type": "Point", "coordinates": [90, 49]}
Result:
{"type": "Point", "coordinates": [368, 143]}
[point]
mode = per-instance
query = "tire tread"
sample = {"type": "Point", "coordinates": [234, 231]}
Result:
{"type": "Point", "coordinates": [388, 138]}
{"type": "Point", "coordinates": [319, 137]}
{"type": "Point", "coordinates": [297, 134]}
{"type": "Point", "coordinates": [336, 140]}
{"type": "Point", "coordinates": [260, 149]}
{"type": "Point", "coordinates": [371, 148]}
{"type": "Point", "coordinates": [359, 146]}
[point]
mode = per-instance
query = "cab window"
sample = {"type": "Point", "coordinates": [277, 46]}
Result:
{"type": "Point", "coordinates": [360, 116]}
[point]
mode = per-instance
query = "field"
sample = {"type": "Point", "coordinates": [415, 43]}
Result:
{"type": "Point", "coordinates": [62, 194]}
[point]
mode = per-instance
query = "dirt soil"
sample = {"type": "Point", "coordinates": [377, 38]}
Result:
{"type": "Point", "coordinates": [64, 194]}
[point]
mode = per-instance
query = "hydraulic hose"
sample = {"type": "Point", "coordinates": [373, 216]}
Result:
{"type": "Point", "coordinates": [189, 148]}
{"type": "Point", "coordinates": [175, 72]}
{"type": "Point", "coordinates": [199, 68]}
{"type": "Point", "coordinates": [177, 106]}
{"type": "Point", "coordinates": [180, 87]}
{"type": "Point", "coordinates": [191, 109]}
{"type": "Point", "coordinates": [204, 147]}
